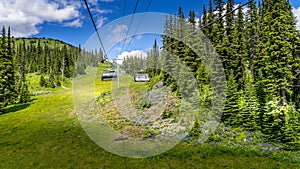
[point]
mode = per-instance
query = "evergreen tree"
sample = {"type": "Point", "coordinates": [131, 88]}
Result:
{"type": "Point", "coordinates": [24, 95]}
{"type": "Point", "coordinates": [238, 60]}
{"type": "Point", "coordinates": [218, 28]}
{"type": "Point", "coordinates": [252, 33]}
{"type": "Point", "coordinates": [291, 129]}
{"type": "Point", "coordinates": [275, 48]}
{"type": "Point", "coordinates": [210, 18]}
{"type": "Point", "coordinates": [227, 49]}
{"type": "Point", "coordinates": [153, 60]}
{"type": "Point", "coordinates": [231, 109]}
{"type": "Point", "coordinates": [250, 110]}
{"type": "Point", "coordinates": [7, 79]}
{"type": "Point", "coordinates": [296, 74]}
{"type": "Point", "coordinates": [203, 21]}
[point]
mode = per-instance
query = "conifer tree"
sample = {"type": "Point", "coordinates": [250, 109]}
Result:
{"type": "Point", "coordinates": [227, 46]}
{"type": "Point", "coordinates": [291, 129]}
{"type": "Point", "coordinates": [7, 79]}
{"type": "Point", "coordinates": [250, 110]}
{"type": "Point", "coordinates": [203, 21]}
{"type": "Point", "coordinates": [231, 109]}
{"type": "Point", "coordinates": [153, 60]}
{"type": "Point", "coordinates": [218, 28]}
{"type": "Point", "coordinates": [275, 48]}
{"type": "Point", "coordinates": [238, 61]}
{"type": "Point", "coordinates": [296, 74]}
{"type": "Point", "coordinates": [252, 33]}
{"type": "Point", "coordinates": [24, 95]}
{"type": "Point", "coordinates": [210, 18]}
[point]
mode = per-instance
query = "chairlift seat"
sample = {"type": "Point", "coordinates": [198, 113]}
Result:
{"type": "Point", "coordinates": [142, 77]}
{"type": "Point", "coordinates": [108, 75]}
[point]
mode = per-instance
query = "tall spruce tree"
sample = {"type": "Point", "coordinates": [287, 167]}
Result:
{"type": "Point", "coordinates": [276, 47]}
{"type": "Point", "coordinates": [250, 111]}
{"type": "Point", "coordinates": [296, 74]}
{"type": "Point", "coordinates": [274, 61]}
{"type": "Point", "coordinates": [208, 30]}
{"type": "Point", "coordinates": [24, 95]}
{"type": "Point", "coordinates": [231, 109]}
{"type": "Point", "coordinates": [203, 21]}
{"type": "Point", "coordinates": [152, 60]}
{"type": "Point", "coordinates": [252, 33]}
{"type": "Point", "coordinates": [8, 93]}
{"type": "Point", "coordinates": [239, 60]}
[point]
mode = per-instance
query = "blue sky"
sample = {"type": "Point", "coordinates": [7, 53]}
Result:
{"type": "Point", "coordinates": [68, 20]}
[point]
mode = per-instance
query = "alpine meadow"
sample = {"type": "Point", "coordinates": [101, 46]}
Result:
{"type": "Point", "coordinates": [240, 61]}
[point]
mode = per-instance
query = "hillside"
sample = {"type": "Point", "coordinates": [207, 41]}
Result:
{"type": "Point", "coordinates": [49, 41]}
{"type": "Point", "coordinates": [46, 133]}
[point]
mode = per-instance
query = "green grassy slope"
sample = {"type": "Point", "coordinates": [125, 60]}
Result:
{"type": "Point", "coordinates": [47, 134]}
{"type": "Point", "coordinates": [50, 42]}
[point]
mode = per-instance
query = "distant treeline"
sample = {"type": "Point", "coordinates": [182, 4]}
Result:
{"type": "Point", "coordinates": [53, 60]}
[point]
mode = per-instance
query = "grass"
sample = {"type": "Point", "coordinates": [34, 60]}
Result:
{"type": "Point", "coordinates": [47, 134]}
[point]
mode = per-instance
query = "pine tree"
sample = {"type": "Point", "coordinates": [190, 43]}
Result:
{"type": "Point", "coordinates": [231, 109]}
{"type": "Point", "coordinates": [8, 93]}
{"type": "Point", "coordinates": [238, 60]}
{"type": "Point", "coordinates": [152, 60]}
{"type": "Point", "coordinates": [218, 28]}
{"type": "Point", "coordinates": [277, 34]}
{"type": "Point", "coordinates": [252, 33]}
{"type": "Point", "coordinates": [250, 110]}
{"type": "Point", "coordinates": [203, 21]}
{"type": "Point", "coordinates": [218, 35]}
{"type": "Point", "coordinates": [296, 74]}
{"type": "Point", "coordinates": [291, 129]}
{"type": "Point", "coordinates": [24, 95]}
{"type": "Point", "coordinates": [275, 48]}
{"type": "Point", "coordinates": [209, 31]}
{"type": "Point", "coordinates": [227, 46]}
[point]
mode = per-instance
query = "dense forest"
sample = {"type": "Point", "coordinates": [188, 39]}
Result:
{"type": "Point", "coordinates": [260, 54]}
{"type": "Point", "coordinates": [52, 60]}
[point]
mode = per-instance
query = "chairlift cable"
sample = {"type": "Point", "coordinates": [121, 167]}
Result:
{"type": "Point", "coordinates": [123, 14]}
{"type": "Point", "coordinates": [95, 27]}
{"type": "Point", "coordinates": [135, 8]}
{"type": "Point", "coordinates": [131, 39]}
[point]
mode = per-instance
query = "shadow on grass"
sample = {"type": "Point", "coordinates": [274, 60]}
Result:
{"type": "Point", "coordinates": [17, 107]}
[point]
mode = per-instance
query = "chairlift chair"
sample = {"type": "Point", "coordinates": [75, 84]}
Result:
{"type": "Point", "coordinates": [141, 77]}
{"type": "Point", "coordinates": [108, 76]}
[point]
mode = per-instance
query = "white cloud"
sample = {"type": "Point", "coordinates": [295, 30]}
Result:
{"type": "Point", "coordinates": [25, 16]}
{"type": "Point", "coordinates": [101, 11]}
{"type": "Point", "coordinates": [107, 0]}
{"type": "Point", "coordinates": [296, 12]}
{"type": "Point", "coordinates": [100, 21]}
{"type": "Point", "coordinates": [75, 23]}
{"type": "Point", "coordinates": [98, 12]}
{"type": "Point", "coordinates": [117, 34]}
{"type": "Point", "coordinates": [134, 53]}
{"type": "Point", "coordinates": [94, 2]}
{"type": "Point", "coordinates": [138, 37]}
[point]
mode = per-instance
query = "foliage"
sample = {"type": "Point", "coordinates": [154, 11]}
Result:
{"type": "Point", "coordinates": [260, 54]}
{"type": "Point", "coordinates": [8, 92]}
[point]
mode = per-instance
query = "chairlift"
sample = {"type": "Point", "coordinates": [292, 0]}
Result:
{"type": "Point", "coordinates": [108, 76]}
{"type": "Point", "coordinates": [141, 77]}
